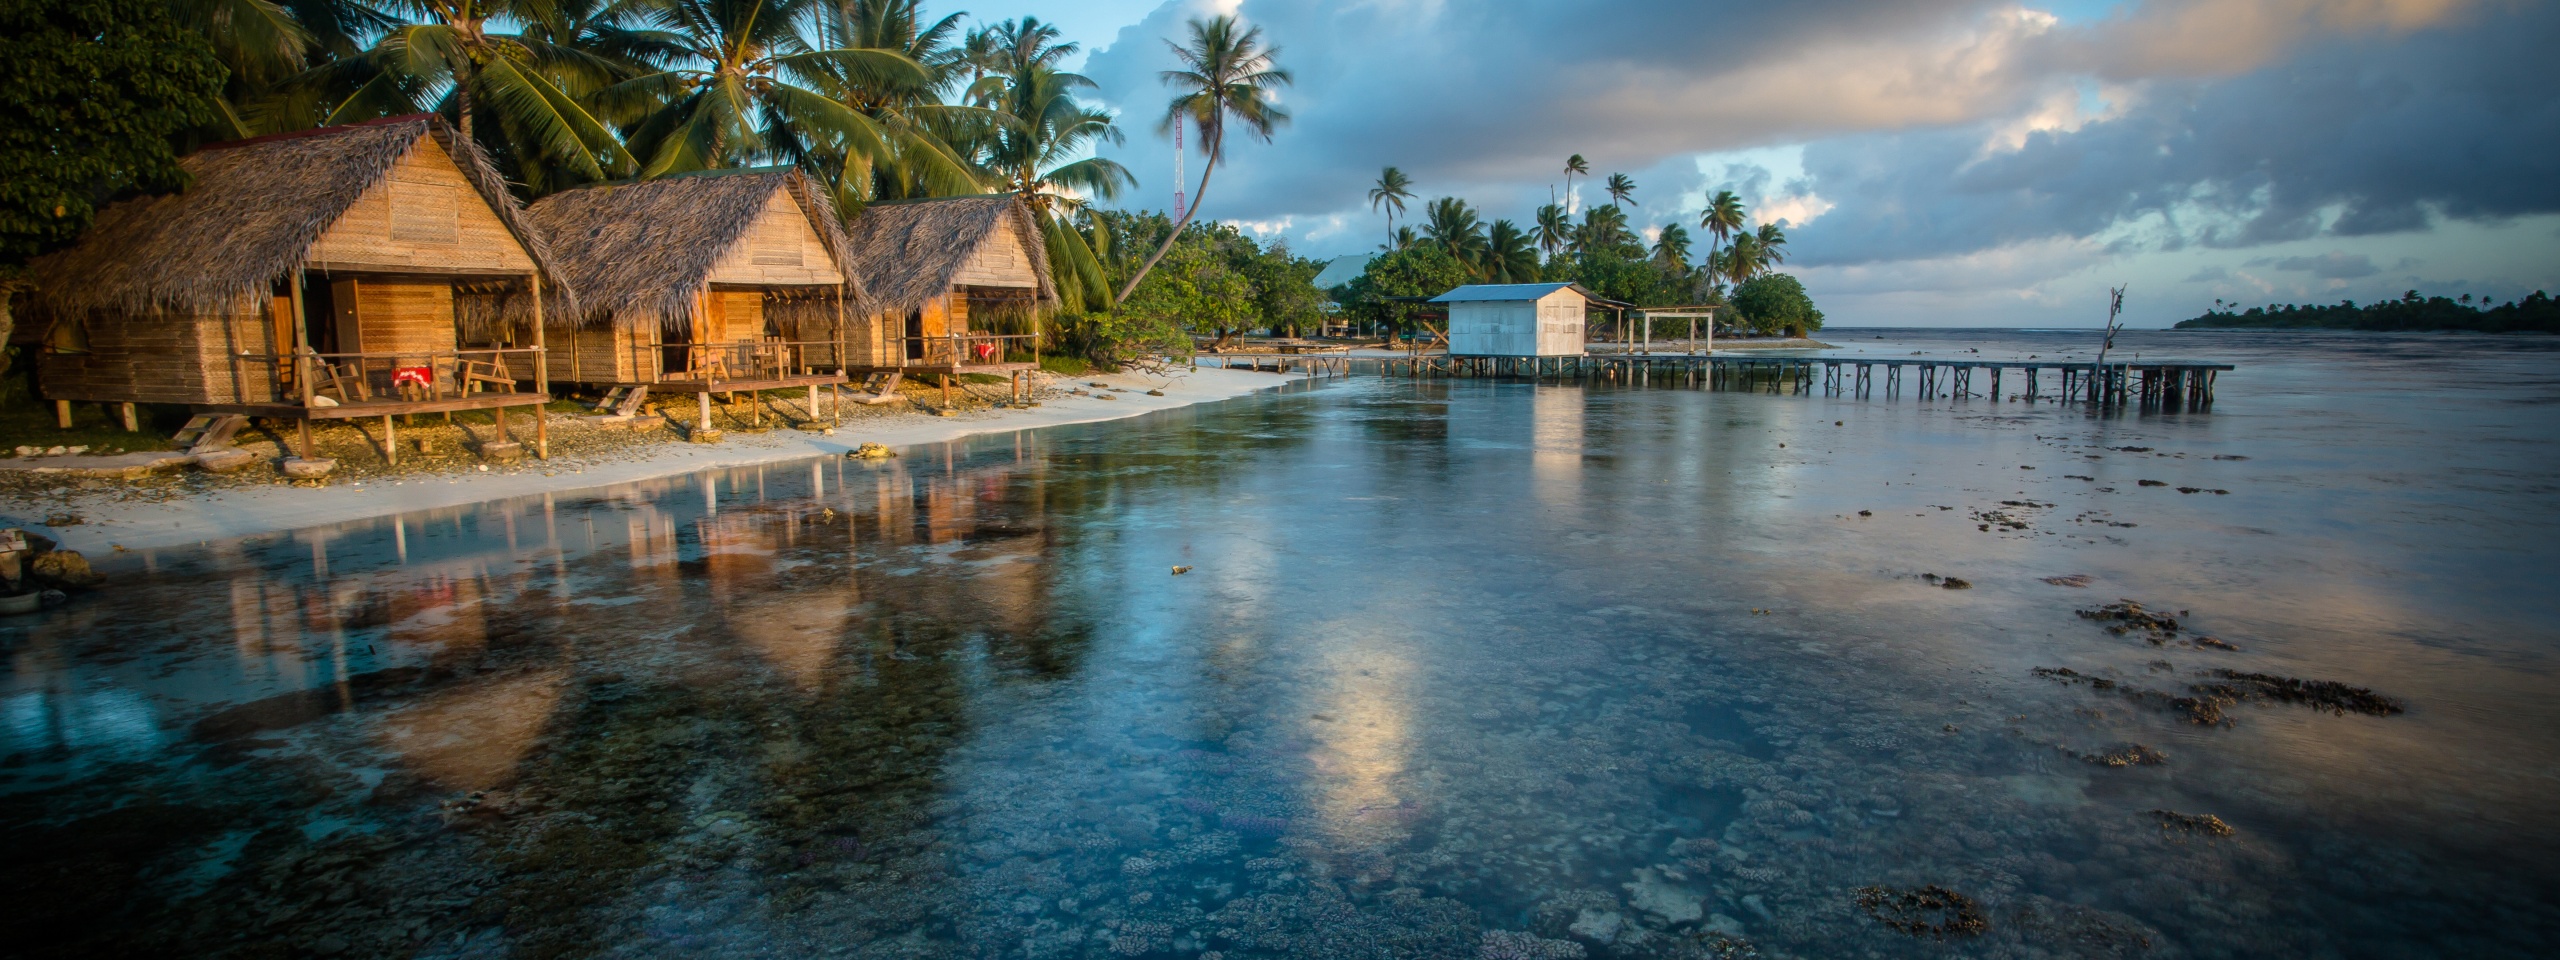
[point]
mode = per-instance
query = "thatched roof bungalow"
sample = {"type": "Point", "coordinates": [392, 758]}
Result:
{"type": "Point", "coordinates": [376, 252]}
{"type": "Point", "coordinates": [950, 281]}
{"type": "Point", "coordinates": [722, 280]}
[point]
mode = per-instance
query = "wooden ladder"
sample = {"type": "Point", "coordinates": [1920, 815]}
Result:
{"type": "Point", "coordinates": [622, 401]}
{"type": "Point", "coordinates": [209, 432]}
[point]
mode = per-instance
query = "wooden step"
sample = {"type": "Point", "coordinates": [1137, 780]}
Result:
{"type": "Point", "coordinates": [631, 400]}
{"type": "Point", "coordinates": [205, 433]}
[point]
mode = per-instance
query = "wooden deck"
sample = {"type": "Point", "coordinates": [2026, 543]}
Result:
{"type": "Point", "coordinates": [947, 369]}
{"type": "Point", "coordinates": [378, 407]}
{"type": "Point", "coordinates": [738, 386]}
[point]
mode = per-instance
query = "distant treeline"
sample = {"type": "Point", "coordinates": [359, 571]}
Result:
{"type": "Point", "coordinates": [2538, 313]}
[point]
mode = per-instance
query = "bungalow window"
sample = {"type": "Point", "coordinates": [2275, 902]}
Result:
{"type": "Point", "coordinates": [425, 212]}
{"type": "Point", "coordinates": [67, 335]}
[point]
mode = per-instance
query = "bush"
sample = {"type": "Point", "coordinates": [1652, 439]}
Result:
{"type": "Point", "coordinates": [1776, 303]}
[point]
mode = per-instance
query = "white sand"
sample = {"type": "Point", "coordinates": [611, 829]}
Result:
{"type": "Point", "coordinates": [240, 511]}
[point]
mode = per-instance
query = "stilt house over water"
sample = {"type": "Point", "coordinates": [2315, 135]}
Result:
{"type": "Point", "coordinates": [1517, 319]}
{"type": "Point", "coordinates": [347, 272]}
{"type": "Point", "coordinates": [717, 282]}
{"type": "Point", "coordinates": [956, 284]}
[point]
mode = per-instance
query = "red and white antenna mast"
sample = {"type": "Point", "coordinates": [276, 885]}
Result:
{"type": "Point", "coordinates": [1177, 168]}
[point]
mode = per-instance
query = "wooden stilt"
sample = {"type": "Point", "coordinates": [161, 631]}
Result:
{"type": "Point", "coordinates": [62, 414]}
{"type": "Point", "coordinates": [128, 413]}
{"type": "Point", "coordinates": [390, 442]}
{"type": "Point", "coordinates": [703, 399]}
{"type": "Point", "coordinates": [304, 449]}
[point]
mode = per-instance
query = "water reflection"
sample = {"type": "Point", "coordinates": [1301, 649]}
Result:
{"type": "Point", "coordinates": [1451, 661]}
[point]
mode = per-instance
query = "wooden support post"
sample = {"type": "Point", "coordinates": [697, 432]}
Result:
{"type": "Point", "coordinates": [390, 442]}
{"type": "Point", "coordinates": [62, 414]}
{"type": "Point", "coordinates": [126, 412]}
{"type": "Point", "coordinates": [946, 391]}
{"type": "Point", "coordinates": [499, 414]}
{"type": "Point", "coordinates": [304, 449]}
{"type": "Point", "coordinates": [813, 402]}
{"type": "Point", "coordinates": [541, 373]}
{"type": "Point", "coordinates": [703, 399]}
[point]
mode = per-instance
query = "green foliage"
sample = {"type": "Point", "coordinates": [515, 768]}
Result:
{"type": "Point", "coordinates": [2536, 313]}
{"type": "Point", "coordinates": [1421, 270]}
{"type": "Point", "coordinates": [1774, 303]}
{"type": "Point", "coordinates": [91, 94]}
{"type": "Point", "coordinates": [1627, 274]}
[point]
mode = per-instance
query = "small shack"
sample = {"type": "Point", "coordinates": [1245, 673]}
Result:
{"type": "Point", "coordinates": [377, 269]}
{"type": "Point", "coordinates": [726, 281]}
{"type": "Point", "coordinates": [1516, 319]}
{"type": "Point", "coordinates": [956, 285]}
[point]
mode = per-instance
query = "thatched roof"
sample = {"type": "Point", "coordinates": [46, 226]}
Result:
{"type": "Point", "coordinates": [639, 251]}
{"type": "Point", "coordinates": [252, 213]}
{"type": "Point", "coordinates": [907, 251]}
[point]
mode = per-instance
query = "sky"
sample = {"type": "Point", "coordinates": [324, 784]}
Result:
{"type": "Point", "coordinates": [1934, 162]}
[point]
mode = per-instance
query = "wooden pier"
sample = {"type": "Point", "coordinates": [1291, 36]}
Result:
{"type": "Point", "coordinates": [1312, 364]}
{"type": "Point", "coordinates": [2161, 384]}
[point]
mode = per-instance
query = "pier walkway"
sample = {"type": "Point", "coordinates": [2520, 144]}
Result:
{"type": "Point", "coordinates": [2162, 384]}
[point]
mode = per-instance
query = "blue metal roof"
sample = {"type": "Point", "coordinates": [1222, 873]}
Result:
{"type": "Point", "coordinates": [1506, 291]}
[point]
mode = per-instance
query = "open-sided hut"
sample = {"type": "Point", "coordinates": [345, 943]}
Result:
{"type": "Point", "coordinates": [1516, 319]}
{"type": "Point", "coordinates": [943, 277]}
{"type": "Point", "coordinates": [718, 282]}
{"type": "Point", "coordinates": [358, 271]}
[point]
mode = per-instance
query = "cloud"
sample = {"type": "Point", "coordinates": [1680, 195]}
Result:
{"type": "Point", "coordinates": [2330, 266]}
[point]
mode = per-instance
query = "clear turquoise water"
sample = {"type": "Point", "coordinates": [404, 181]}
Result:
{"type": "Point", "coordinates": [1457, 669]}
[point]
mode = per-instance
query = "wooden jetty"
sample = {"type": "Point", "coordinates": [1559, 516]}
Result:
{"type": "Point", "coordinates": [1313, 364]}
{"type": "Point", "coordinates": [2166, 384]}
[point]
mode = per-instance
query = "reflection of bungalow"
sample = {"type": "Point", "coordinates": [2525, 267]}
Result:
{"type": "Point", "coordinates": [1517, 319]}
{"type": "Point", "coordinates": [944, 277]}
{"type": "Point", "coordinates": [718, 282]}
{"type": "Point", "coordinates": [357, 271]}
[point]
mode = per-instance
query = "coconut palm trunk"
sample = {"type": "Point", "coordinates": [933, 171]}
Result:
{"type": "Point", "coordinates": [1187, 213]}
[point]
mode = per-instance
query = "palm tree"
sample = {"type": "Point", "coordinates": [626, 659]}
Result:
{"type": "Point", "coordinates": [1602, 227]}
{"type": "Point", "coordinates": [1043, 154]}
{"type": "Point", "coordinates": [1772, 244]}
{"type": "Point", "coordinates": [1553, 230]}
{"type": "Point", "coordinates": [1671, 249]}
{"type": "Point", "coordinates": [1452, 224]}
{"type": "Point", "coordinates": [1393, 189]}
{"type": "Point", "coordinates": [268, 45]}
{"type": "Point", "coordinates": [1622, 189]}
{"type": "Point", "coordinates": [1227, 75]}
{"type": "Point", "coordinates": [933, 142]}
{"type": "Point", "coordinates": [1403, 237]}
{"type": "Point", "coordinates": [1722, 218]}
{"type": "Point", "coordinates": [745, 85]}
{"type": "Point", "coordinates": [1743, 259]}
{"type": "Point", "coordinates": [1508, 255]}
{"type": "Point", "coordinates": [1573, 165]}
{"type": "Point", "coordinates": [508, 75]}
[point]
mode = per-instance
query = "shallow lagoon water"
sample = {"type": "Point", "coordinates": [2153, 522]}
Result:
{"type": "Point", "coordinates": [1457, 669]}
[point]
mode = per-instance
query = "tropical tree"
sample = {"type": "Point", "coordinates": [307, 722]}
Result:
{"type": "Point", "coordinates": [1553, 230]}
{"type": "Point", "coordinates": [266, 45]}
{"type": "Point", "coordinates": [1722, 218]}
{"type": "Point", "coordinates": [1743, 259]}
{"type": "Point", "coordinates": [930, 141]}
{"type": "Point", "coordinates": [96, 93]}
{"type": "Point", "coordinates": [1604, 227]}
{"type": "Point", "coordinates": [745, 84]}
{"type": "Point", "coordinates": [1772, 243]}
{"type": "Point", "coordinates": [1622, 189]}
{"type": "Point", "coordinates": [1402, 237]}
{"type": "Point", "coordinates": [1449, 222]}
{"type": "Point", "coordinates": [1509, 256]}
{"type": "Point", "coordinates": [451, 53]}
{"type": "Point", "coordinates": [1671, 249]}
{"type": "Point", "coordinates": [1042, 154]}
{"type": "Point", "coordinates": [1573, 165]}
{"type": "Point", "coordinates": [1776, 303]}
{"type": "Point", "coordinates": [1228, 75]}
{"type": "Point", "coordinates": [1393, 189]}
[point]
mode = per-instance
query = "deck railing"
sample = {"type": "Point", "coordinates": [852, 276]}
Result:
{"type": "Point", "coordinates": [766, 359]}
{"type": "Point", "coordinates": [384, 375]}
{"type": "Point", "coordinates": [966, 349]}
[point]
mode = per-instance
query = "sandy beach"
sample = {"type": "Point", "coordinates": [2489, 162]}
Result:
{"type": "Point", "coordinates": [108, 521]}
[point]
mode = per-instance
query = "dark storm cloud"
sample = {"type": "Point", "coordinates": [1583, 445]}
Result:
{"type": "Point", "coordinates": [1484, 100]}
{"type": "Point", "coordinates": [2344, 139]}
{"type": "Point", "coordinates": [2327, 266]}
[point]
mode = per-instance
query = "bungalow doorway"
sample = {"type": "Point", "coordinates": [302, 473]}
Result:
{"type": "Point", "coordinates": [915, 334]}
{"type": "Point", "coordinates": [675, 350]}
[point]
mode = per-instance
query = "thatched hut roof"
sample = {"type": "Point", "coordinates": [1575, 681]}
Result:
{"type": "Point", "coordinates": [639, 251]}
{"type": "Point", "coordinates": [908, 251]}
{"type": "Point", "coordinates": [252, 212]}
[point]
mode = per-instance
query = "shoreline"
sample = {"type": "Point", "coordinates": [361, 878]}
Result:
{"type": "Point", "coordinates": [243, 511]}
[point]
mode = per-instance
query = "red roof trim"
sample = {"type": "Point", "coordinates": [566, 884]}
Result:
{"type": "Point", "coordinates": [315, 132]}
